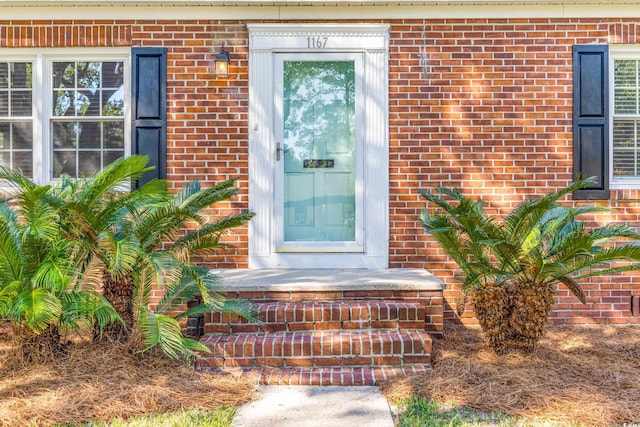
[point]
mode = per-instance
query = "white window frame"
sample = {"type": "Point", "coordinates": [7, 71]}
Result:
{"type": "Point", "coordinates": [619, 52]}
{"type": "Point", "coordinates": [43, 60]}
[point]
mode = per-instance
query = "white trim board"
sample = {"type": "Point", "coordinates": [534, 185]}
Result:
{"type": "Point", "coordinates": [315, 12]}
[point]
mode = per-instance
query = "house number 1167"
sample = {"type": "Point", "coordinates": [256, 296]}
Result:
{"type": "Point", "coordinates": [318, 42]}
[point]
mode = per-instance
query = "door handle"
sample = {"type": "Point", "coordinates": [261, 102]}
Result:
{"type": "Point", "coordinates": [279, 150]}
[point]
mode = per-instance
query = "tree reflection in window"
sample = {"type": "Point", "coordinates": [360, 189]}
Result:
{"type": "Point", "coordinates": [88, 116]}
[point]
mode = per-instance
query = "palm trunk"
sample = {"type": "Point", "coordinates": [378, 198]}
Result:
{"type": "Point", "coordinates": [513, 316]}
{"type": "Point", "coordinates": [38, 347]}
{"type": "Point", "coordinates": [119, 292]}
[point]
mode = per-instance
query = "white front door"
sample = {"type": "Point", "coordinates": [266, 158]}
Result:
{"type": "Point", "coordinates": [318, 178]}
{"type": "Point", "coordinates": [318, 146]}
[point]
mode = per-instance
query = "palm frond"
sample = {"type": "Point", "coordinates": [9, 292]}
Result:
{"type": "Point", "coordinates": [215, 229]}
{"type": "Point", "coordinates": [10, 252]}
{"type": "Point", "coordinates": [119, 173]}
{"type": "Point", "coordinates": [36, 308]}
{"type": "Point", "coordinates": [165, 332]}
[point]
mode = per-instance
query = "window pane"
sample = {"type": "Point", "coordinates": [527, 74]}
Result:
{"type": "Point", "coordinates": [625, 72]}
{"type": "Point", "coordinates": [625, 148]}
{"type": "Point", "coordinates": [64, 75]}
{"type": "Point", "coordinates": [625, 162]}
{"type": "Point", "coordinates": [4, 75]}
{"type": "Point", "coordinates": [5, 158]}
{"type": "Point", "coordinates": [89, 162]}
{"type": "Point", "coordinates": [88, 75]}
{"type": "Point", "coordinates": [64, 162]}
{"type": "Point", "coordinates": [112, 74]}
{"type": "Point", "coordinates": [87, 103]}
{"type": "Point", "coordinates": [113, 102]}
{"type": "Point", "coordinates": [23, 136]}
{"type": "Point", "coordinates": [89, 135]}
{"type": "Point", "coordinates": [4, 103]}
{"type": "Point", "coordinates": [112, 156]}
{"type": "Point", "coordinates": [21, 103]}
{"type": "Point", "coordinates": [62, 102]}
{"type": "Point", "coordinates": [23, 161]}
{"type": "Point", "coordinates": [21, 75]}
{"type": "Point", "coordinates": [114, 134]}
{"type": "Point", "coordinates": [5, 136]}
{"type": "Point", "coordinates": [626, 101]}
{"type": "Point", "coordinates": [65, 134]}
{"type": "Point", "coordinates": [16, 141]}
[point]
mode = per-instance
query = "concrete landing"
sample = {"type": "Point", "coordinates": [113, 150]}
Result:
{"type": "Point", "coordinates": [300, 406]}
{"type": "Point", "coordinates": [399, 279]}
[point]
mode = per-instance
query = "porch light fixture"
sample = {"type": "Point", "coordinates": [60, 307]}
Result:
{"type": "Point", "coordinates": [221, 63]}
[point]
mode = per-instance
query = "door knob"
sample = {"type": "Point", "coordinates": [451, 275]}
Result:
{"type": "Point", "coordinates": [279, 149]}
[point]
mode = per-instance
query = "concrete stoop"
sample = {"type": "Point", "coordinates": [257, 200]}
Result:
{"type": "Point", "coordinates": [330, 336]}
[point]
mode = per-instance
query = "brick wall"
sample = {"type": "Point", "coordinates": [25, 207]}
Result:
{"type": "Point", "coordinates": [481, 105]}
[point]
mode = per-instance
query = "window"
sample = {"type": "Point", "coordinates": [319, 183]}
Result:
{"type": "Point", "coordinates": [16, 116]}
{"type": "Point", "coordinates": [626, 119]}
{"type": "Point", "coordinates": [60, 115]}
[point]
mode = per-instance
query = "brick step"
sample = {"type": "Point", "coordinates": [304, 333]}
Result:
{"type": "Point", "coordinates": [330, 315]}
{"type": "Point", "coordinates": [357, 348]}
{"type": "Point", "coordinates": [344, 376]}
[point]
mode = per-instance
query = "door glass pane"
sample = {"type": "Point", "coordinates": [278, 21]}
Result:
{"type": "Point", "coordinates": [320, 151]}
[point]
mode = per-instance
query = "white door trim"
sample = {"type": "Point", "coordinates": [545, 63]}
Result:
{"type": "Point", "coordinates": [266, 40]}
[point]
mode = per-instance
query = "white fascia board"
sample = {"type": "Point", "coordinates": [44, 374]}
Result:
{"type": "Point", "coordinates": [311, 10]}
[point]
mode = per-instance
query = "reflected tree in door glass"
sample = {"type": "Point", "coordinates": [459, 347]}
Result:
{"type": "Point", "coordinates": [319, 109]}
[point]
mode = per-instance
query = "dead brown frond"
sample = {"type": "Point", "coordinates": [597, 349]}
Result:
{"type": "Point", "coordinates": [103, 381]}
{"type": "Point", "coordinates": [586, 375]}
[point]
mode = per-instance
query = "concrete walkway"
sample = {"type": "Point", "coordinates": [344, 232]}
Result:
{"type": "Point", "coordinates": [311, 406]}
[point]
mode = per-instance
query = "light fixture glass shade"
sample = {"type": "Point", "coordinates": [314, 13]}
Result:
{"type": "Point", "coordinates": [222, 64]}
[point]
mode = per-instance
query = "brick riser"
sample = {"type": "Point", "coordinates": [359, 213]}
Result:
{"type": "Point", "coordinates": [318, 343]}
{"type": "Point", "coordinates": [364, 348]}
{"type": "Point", "coordinates": [309, 316]}
{"type": "Point", "coordinates": [354, 376]}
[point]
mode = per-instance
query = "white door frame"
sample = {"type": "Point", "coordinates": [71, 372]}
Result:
{"type": "Point", "coordinates": [267, 40]}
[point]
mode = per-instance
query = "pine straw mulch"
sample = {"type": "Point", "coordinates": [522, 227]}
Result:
{"type": "Point", "coordinates": [577, 375]}
{"type": "Point", "coordinates": [101, 382]}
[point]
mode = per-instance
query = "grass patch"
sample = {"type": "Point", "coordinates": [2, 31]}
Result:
{"type": "Point", "coordinates": [186, 418]}
{"type": "Point", "coordinates": [578, 376]}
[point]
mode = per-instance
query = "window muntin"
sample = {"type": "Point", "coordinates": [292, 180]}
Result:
{"type": "Point", "coordinates": [68, 116]}
{"type": "Point", "coordinates": [16, 116]}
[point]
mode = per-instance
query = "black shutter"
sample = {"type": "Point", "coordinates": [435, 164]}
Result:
{"type": "Point", "coordinates": [149, 100]}
{"type": "Point", "coordinates": [591, 118]}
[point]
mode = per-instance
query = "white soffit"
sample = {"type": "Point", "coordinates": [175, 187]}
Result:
{"type": "Point", "coordinates": [313, 9]}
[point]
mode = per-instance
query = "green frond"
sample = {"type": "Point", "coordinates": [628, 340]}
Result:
{"type": "Point", "coordinates": [36, 308]}
{"type": "Point", "coordinates": [613, 231]}
{"type": "Point", "coordinates": [10, 256]}
{"type": "Point", "coordinates": [16, 179]}
{"type": "Point", "coordinates": [119, 252]}
{"type": "Point", "coordinates": [118, 174]}
{"type": "Point", "coordinates": [197, 238]}
{"type": "Point", "coordinates": [198, 200]}
{"type": "Point", "coordinates": [8, 294]}
{"type": "Point", "coordinates": [164, 332]}
{"type": "Point", "coordinates": [52, 274]}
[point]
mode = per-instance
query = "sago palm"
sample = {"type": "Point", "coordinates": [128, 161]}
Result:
{"type": "Point", "coordinates": [513, 265]}
{"type": "Point", "coordinates": [142, 240]}
{"type": "Point", "coordinates": [41, 292]}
